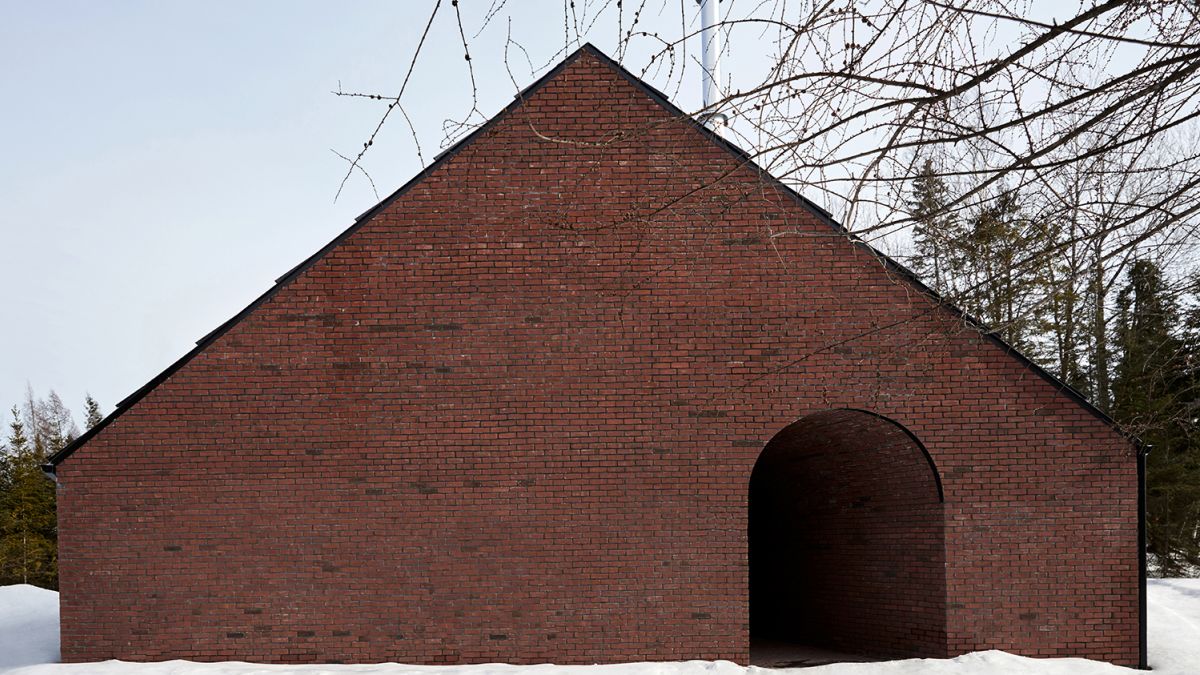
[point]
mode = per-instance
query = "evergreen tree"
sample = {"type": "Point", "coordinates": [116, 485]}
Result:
{"type": "Point", "coordinates": [1154, 393]}
{"type": "Point", "coordinates": [978, 263]}
{"type": "Point", "coordinates": [1100, 356]}
{"type": "Point", "coordinates": [1002, 291]}
{"type": "Point", "coordinates": [935, 230]}
{"type": "Point", "coordinates": [94, 416]}
{"type": "Point", "coordinates": [28, 527]}
{"type": "Point", "coordinates": [1066, 318]}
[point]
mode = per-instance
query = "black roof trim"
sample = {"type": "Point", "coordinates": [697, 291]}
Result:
{"type": "Point", "coordinates": [662, 100]}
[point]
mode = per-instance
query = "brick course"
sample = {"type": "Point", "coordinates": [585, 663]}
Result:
{"type": "Point", "coordinates": [513, 415]}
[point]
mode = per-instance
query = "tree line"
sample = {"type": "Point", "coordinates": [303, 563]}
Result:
{"type": "Point", "coordinates": [1122, 329]}
{"type": "Point", "coordinates": [37, 428]}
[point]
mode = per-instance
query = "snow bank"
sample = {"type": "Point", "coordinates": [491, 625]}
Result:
{"type": "Point", "coordinates": [28, 626]}
{"type": "Point", "coordinates": [29, 635]}
{"type": "Point", "coordinates": [979, 663]}
{"type": "Point", "coordinates": [1173, 625]}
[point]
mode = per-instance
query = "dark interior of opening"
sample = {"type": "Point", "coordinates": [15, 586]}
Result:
{"type": "Point", "coordinates": [846, 544]}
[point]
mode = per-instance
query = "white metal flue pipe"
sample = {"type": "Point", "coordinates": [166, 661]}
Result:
{"type": "Point", "coordinates": [710, 59]}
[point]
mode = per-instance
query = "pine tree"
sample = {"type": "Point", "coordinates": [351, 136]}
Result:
{"type": "Point", "coordinates": [92, 408]}
{"type": "Point", "coordinates": [1066, 318]}
{"type": "Point", "coordinates": [980, 262]}
{"type": "Point", "coordinates": [999, 287]}
{"type": "Point", "coordinates": [1100, 354]}
{"type": "Point", "coordinates": [1154, 392]}
{"type": "Point", "coordinates": [28, 528]}
{"type": "Point", "coordinates": [935, 230]}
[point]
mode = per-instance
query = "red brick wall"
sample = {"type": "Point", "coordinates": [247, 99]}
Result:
{"type": "Point", "coordinates": [847, 547]}
{"type": "Point", "coordinates": [513, 417]}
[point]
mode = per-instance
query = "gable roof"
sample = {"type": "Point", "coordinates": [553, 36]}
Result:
{"type": "Point", "coordinates": [658, 97]}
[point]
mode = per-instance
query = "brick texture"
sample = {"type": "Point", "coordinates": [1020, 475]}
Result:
{"type": "Point", "coordinates": [513, 416]}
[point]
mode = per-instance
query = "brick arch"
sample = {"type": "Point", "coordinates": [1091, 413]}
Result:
{"type": "Point", "coordinates": [846, 539]}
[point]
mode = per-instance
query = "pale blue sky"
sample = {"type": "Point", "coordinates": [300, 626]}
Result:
{"type": "Point", "coordinates": [164, 162]}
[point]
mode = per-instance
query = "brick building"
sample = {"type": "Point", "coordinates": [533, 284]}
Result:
{"type": "Point", "coordinates": [593, 387]}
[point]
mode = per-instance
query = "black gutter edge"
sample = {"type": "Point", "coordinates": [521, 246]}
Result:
{"type": "Point", "coordinates": [1142, 450]}
{"type": "Point", "coordinates": [887, 261]}
{"type": "Point", "coordinates": [126, 403]}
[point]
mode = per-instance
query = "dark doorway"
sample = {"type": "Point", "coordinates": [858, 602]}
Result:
{"type": "Point", "coordinates": [847, 556]}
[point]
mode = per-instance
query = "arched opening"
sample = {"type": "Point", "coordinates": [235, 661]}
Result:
{"type": "Point", "coordinates": [846, 532]}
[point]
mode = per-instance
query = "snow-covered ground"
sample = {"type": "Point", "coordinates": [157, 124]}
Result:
{"type": "Point", "coordinates": [1174, 625]}
{"type": "Point", "coordinates": [28, 626]}
{"type": "Point", "coordinates": [29, 646]}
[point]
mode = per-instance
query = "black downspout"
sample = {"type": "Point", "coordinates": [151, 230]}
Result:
{"type": "Point", "coordinates": [1142, 451]}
